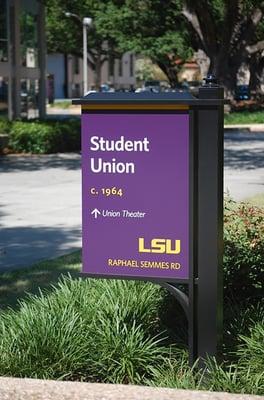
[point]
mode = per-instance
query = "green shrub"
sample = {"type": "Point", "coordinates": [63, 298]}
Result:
{"type": "Point", "coordinates": [243, 249]}
{"type": "Point", "coordinates": [45, 137]}
{"type": "Point", "coordinates": [245, 117]}
{"type": "Point", "coordinates": [33, 137]}
{"type": "Point", "coordinates": [5, 126]}
{"type": "Point", "coordinates": [71, 133]}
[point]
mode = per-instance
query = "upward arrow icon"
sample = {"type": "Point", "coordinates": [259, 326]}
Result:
{"type": "Point", "coordinates": [95, 212]}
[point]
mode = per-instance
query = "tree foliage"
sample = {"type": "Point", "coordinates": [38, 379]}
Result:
{"type": "Point", "coordinates": [230, 32]}
{"type": "Point", "coordinates": [65, 35]}
{"type": "Point", "coordinates": [153, 28]}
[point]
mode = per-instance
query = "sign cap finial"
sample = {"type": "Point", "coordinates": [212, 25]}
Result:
{"type": "Point", "coordinates": [211, 80]}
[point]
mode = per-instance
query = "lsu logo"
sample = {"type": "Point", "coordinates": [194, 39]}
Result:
{"type": "Point", "coordinates": [162, 246]}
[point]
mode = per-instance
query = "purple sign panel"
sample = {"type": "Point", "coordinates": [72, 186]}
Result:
{"type": "Point", "coordinates": [135, 174]}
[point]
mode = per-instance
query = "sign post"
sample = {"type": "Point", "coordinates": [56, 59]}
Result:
{"type": "Point", "coordinates": [152, 198]}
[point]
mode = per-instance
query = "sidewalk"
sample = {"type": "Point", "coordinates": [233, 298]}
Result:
{"type": "Point", "coordinates": [40, 198]}
{"type": "Point", "coordinates": [40, 208]}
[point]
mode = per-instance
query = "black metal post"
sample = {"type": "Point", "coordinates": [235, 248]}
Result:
{"type": "Point", "coordinates": [210, 220]}
{"type": "Point", "coordinates": [193, 210]}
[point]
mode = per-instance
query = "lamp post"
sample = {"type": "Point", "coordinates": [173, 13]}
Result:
{"type": "Point", "coordinates": [86, 22]}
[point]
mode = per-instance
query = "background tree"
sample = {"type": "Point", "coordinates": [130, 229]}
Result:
{"type": "Point", "coordinates": [256, 62]}
{"type": "Point", "coordinates": [153, 28]}
{"type": "Point", "coordinates": [64, 34]}
{"type": "Point", "coordinates": [227, 31]}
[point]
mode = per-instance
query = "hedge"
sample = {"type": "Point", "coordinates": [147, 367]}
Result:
{"type": "Point", "coordinates": [42, 137]}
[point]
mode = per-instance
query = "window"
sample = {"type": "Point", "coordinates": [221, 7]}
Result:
{"type": "Point", "coordinates": [3, 96]}
{"type": "Point", "coordinates": [76, 65]}
{"type": "Point", "coordinates": [131, 65]}
{"type": "Point", "coordinates": [29, 34]}
{"type": "Point", "coordinates": [76, 90]}
{"type": "Point", "coordinates": [111, 64]}
{"type": "Point", "coordinates": [120, 67]}
{"type": "Point", "coordinates": [3, 31]}
{"type": "Point", "coordinates": [29, 98]}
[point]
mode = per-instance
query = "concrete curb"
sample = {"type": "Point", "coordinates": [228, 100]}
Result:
{"type": "Point", "coordinates": [35, 389]}
{"type": "Point", "coordinates": [245, 128]}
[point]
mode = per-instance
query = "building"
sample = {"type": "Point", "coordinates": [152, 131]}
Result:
{"type": "Point", "coordinates": [65, 74]}
{"type": "Point", "coordinates": [22, 59]}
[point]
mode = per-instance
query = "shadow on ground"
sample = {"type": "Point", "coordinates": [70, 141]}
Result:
{"type": "Point", "coordinates": [23, 246]}
{"type": "Point", "coordinates": [244, 151]}
{"type": "Point", "coordinates": [15, 286]}
{"type": "Point", "coordinates": [16, 163]}
{"type": "Point", "coordinates": [244, 159]}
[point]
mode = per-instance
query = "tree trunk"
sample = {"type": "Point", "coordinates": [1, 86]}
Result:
{"type": "Point", "coordinates": [227, 48]}
{"type": "Point", "coordinates": [171, 71]}
{"type": "Point", "coordinates": [225, 68]}
{"type": "Point", "coordinates": [98, 72]}
{"type": "Point", "coordinates": [256, 66]}
{"type": "Point", "coordinates": [203, 62]}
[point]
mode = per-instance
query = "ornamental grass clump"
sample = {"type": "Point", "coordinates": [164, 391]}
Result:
{"type": "Point", "coordinates": [125, 331]}
{"type": "Point", "coordinates": [85, 330]}
{"type": "Point", "coordinates": [251, 354]}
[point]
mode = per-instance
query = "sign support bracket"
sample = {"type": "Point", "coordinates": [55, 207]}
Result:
{"type": "Point", "coordinates": [179, 295]}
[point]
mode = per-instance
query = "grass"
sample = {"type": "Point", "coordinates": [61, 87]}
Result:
{"type": "Point", "coordinates": [61, 104]}
{"type": "Point", "coordinates": [245, 117]}
{"type": "Point", "coordinates": [15, 285]}
{"type": "Point", "coordinates": [257, 200]}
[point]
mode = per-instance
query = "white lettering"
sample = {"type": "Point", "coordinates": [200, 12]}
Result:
{"type": "Point", "coordinates": [101, 144]}
{"type": "Point", "coordinates": [94, 142]}
{"type": "Point", "coordinates": [112, 167]}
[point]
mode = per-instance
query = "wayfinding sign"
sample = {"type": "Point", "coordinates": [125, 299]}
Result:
{"type": "Point", "coordinates": [135, 170]}
{"type": "Point", "coordinates": [152, 166]}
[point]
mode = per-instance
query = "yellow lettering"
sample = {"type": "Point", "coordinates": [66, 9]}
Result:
{"type": "Point", "coordinates": [177, 248]}
{"type": "Point", "coordinates": [158, 246]}
{"type": "Point", "coordinates": [141, 245]}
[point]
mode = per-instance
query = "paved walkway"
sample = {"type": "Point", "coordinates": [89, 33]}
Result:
{"type": "Point", "coordinates": [40, 203]}
{"type": "Point", "coordinates": [40, 198]}
{"type": "Point", "coordinates": [244, 164]}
